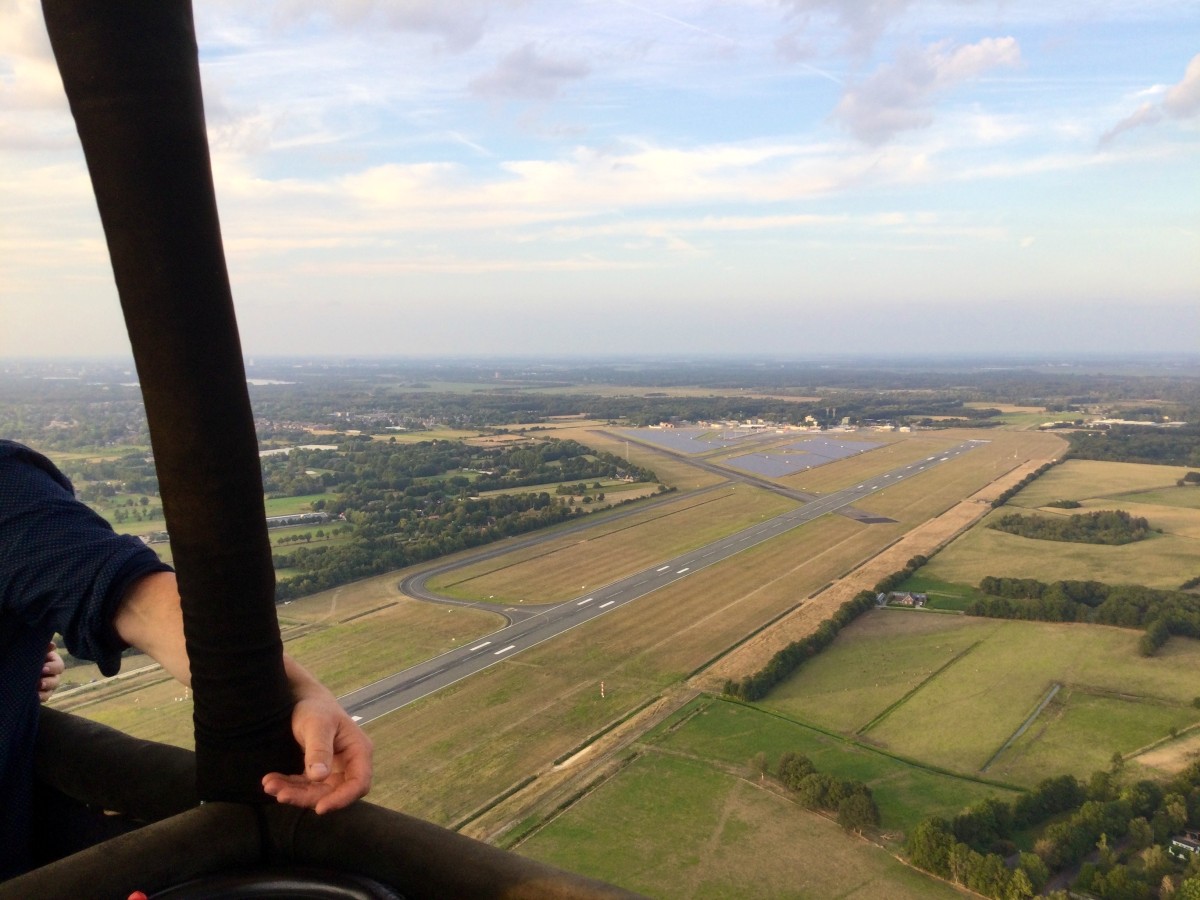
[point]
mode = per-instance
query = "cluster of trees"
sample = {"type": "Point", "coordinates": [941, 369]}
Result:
{"type": "Point", "coordinates": [1189, 479]}
{"type": "Point", "coordinates": [411, 502]}
{"type": "Point", "coordinates": [1074, 820]}
{"type": "Point", "coordinates": [1102, 526]}
{"type": "Point", "coordinates": [849, 799]}
{"type": "Point", "coordinates": [1161, 613]}
{"type": "Point", "coordinates": [785, 663]}
{"type": "Point", "coordinates": [386, 538]}
{"type": "Point", "coordinates": [363, 471]}
{"type": "Point", "coordinates": [132, 473]}
{"type": "Point", "coordinates": [1130, 443]}
{"type": "Point", "coordinates": [1022, 484]}
{"type": "Point", "coordinates": [1065, 504]}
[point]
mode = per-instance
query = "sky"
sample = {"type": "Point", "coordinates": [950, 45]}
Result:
{"type": "Point", "coordinates": [659, 177]}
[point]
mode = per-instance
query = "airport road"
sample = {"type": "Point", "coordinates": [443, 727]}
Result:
{"type": "Point", "coordinates": [391, 693]}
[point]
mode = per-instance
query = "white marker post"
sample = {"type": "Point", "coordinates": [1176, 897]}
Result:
{"type": "Point", "coordinates": [602, 690]}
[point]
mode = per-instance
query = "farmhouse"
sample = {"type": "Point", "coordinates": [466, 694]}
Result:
{"type": "Point", "coordinates": [901, 598]}
{"type": "Point", "coordinates": [1185, 845]}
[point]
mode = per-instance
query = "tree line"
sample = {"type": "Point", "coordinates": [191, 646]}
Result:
{"type": "Point", "coordinates": [1029, 479]}
{"type": "Point", "coordinates": [1127, 828]}
{"type": "Point", "coordinates": [1102, 526]}
{"type": "Point", "coordinates": [1161, 613]}
{"type": "Point", "coordinates": [787, 661]}
{"type": "Point", "coordinates": [1178, 446]}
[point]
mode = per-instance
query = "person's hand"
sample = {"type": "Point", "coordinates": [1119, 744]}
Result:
{"type": "Point", "coordinates": [337, 753]}
{"type": "Point", "coordinates": [52, 669]}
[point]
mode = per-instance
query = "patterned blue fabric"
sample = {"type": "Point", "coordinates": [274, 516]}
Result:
{"type": "Point", "coordinates": [62, 570]}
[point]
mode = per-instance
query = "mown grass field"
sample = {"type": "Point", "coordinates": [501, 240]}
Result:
{"type": "Point", "coordinates": [1085, 480]}
{"type": "Point", "coordinates": [950, 690]}
{"type": "Point", "coordinates": [561, 570]}
{"type": "Point", "coordinates": [688, 817]}
{"type": "Point", "coordinates": [729, 734]}
{"type": "Point", "coordinates": [1162, 561]}
{"type": "Point", "coordinates": [290, 506]}
{"type": "Point", "coordinates": [917, 499]}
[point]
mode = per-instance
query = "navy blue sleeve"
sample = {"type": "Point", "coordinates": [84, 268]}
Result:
{"type": "Point", "coordinates": [62, 567]}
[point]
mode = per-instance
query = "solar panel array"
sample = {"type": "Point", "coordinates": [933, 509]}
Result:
{"type": "Point", "coordinates": [688, 440]}
{"type": "Point", "coordinates": [798, 457]}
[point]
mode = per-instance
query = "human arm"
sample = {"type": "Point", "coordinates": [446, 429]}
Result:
{"type": "Point", "coordinates": [337, 754]}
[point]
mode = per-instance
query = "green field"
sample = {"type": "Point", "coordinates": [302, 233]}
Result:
{"type": "Point", "coordinates": [1164, 560]}
{"type": "Point", "coordinates": [289, 506]}
{"type": "Point", "coordinates": [941, 594]}
{"type": "Point", "coordinates": [951, 690]}
{"type": "Point", "coordinates": [558, 570]}
{"type": "Point", "coordinates": [689, 818]}
{"type": "Point", "coordinates": [1085, 479]}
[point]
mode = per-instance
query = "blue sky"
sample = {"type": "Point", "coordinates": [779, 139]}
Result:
{"type": "Point", "coordinates": [780, 176]}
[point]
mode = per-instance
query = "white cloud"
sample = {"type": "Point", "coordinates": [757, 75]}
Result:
{"type": "Point", "coordinates": [899, 97]}
{"type": "Point", "coordinates": [1180, 101]}
{"type": "Point", "coordinates": [527, 74]}
{"type": "Point", "coordinates": [1183, 99]}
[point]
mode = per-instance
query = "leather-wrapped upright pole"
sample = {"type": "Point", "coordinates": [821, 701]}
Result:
{"type": "Point", "coordinates": [131, 73]}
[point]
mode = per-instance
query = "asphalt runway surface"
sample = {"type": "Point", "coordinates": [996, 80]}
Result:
{"type": "Point", "coordinates": [536, 625]}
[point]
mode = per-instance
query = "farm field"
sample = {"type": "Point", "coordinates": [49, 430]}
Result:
{"type": "Point", "coordinates": [1092, 480]}
{"type": "Point", "coordinates": [696, 821]}
{"type": "Point", "coordinates": [1161, 561]}
{"type": "Point", "coordinates": [951, 690]}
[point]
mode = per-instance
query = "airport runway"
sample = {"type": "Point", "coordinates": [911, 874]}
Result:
{"type": "Point", "coordinates": [549, 621]}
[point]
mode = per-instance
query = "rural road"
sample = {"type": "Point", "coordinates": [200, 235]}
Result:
{"type": "Point", "coordinates": [532, 626]}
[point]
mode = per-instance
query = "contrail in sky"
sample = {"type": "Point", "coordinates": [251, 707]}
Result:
{"type": "Point", "coordinates": [721, 37]}
{"type": "Point", "coordinates": [654, 12]}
